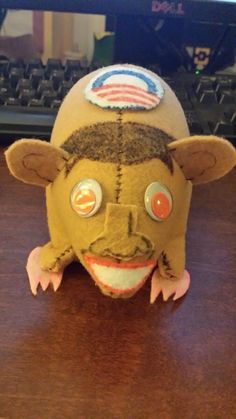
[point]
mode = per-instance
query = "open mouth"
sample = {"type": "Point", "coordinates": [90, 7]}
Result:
{"type": "Point", "coordinates": [119, 278]}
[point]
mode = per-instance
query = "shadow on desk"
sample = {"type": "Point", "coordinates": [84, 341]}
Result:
{"type": "Point", "coordinates": [77, 354]}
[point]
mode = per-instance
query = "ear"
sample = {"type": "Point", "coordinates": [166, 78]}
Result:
{"type": "Point", "coordinates": [203, 158]}
{"type": "Point", "coordinates": [35, 162]}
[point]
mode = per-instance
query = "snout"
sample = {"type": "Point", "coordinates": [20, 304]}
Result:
{"type": "Point", "coordinates": [120, 240]}
{"type": "Point", "coordinates": [120, 259]}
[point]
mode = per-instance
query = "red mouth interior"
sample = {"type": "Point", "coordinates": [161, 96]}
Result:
{"type": "Point", "coordinates": [123, 265]}
{"type": "Point", "coordinates": [126, 265]}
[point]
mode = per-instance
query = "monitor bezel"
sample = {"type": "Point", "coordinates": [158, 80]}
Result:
{"type": "Point", "coordinates": [201, 10]}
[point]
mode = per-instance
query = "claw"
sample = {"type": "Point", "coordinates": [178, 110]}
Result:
{"type": "Point", "coordinates": [38, 276]}
{"type": "Point", "coordinates": [167, 287]}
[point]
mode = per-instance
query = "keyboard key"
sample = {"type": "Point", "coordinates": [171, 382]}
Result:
{"type": "Point", "coordinates": [36, 103]}
{"type": "Point", "coordinates": [71, 65]}
{"type": "Point", "coordinates": [223, 84]}
{"type": "Point", "coordinates": [203, 84]}
{"type": "Point", "coordinates": [193, 123]}
{"type": "Point", "coordinates": [3, 66]}
{"type": "Point", "coordinates": [208, 97]}
{"type": "Point", "coordinates": [36, 75]}
{"type": "Point", "coordinates": [226, 97]}
{"type": "Point", "coordinates": [222, 127]}
{"type": "Point", "coordinates": [52, 64]}
{"type": "Point", "coordinates": [5, 92]}
{"type": "Point", "coordinates": [47, 97]}
{"type": "Point", "coordinates": [15, 63]}
{"type": "Point", "coordinates": [4, 82]}
{"type": "Point", "coordinates": [12, 101]}
{"type": "Point", "coordinates": [56, 103]}
{"type": "Point", "coordinates": [45, 85]}
{"type": "Point", "coordinates": [57, 76]}
{"type": "Point", "coordinates": [26, 95]}
{"type": "Point", "coordinates": [233, 119]}
{"type": "Point", "coordinates": [15, 75]}
{"type": "Point", "coordinates": [32, 64]}
{"type": "Point", "coordinates": [77, 75]}
{"type": "Point", "coordinates": [23, 84]}
{"type": "Point", "coordinates": [64, 88]}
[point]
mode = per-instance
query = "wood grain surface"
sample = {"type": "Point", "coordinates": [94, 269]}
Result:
{"type": "Point", "coordinates": [77, 354]}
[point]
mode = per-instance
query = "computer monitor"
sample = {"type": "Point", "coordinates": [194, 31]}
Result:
{"type": "Point", "coordinates": [202, 10]}
{"type": "Point", "coordinates": [192, 31]}
{"type": "Point", "coordinates": [193, 44]}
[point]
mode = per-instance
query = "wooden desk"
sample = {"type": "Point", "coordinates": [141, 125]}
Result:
{"type": "Point", "coordinates": [77, 354]}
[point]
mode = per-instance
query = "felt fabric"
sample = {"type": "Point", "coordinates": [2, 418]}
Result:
{"type": "Point", "coordinates": [203, 158]}
{"type": "Point", "coordinates": [125, 88]}
{"type": "Point", "coordinates": [55, 259]}
{"type": "Point", "coordinates": [78, 112]}
{"type": "Point", "coordinates": [134, 181]}
{"type": "Point", "coordinates": [171, 263]}
{"type": "Point", "coordinates": [122, 230]}
{"type": "Point", "coordinates": [168, 235]}
{"type": "Point", "coordinates": [111, 275]}
{"type": "Point", "coordinates": [120, 238]}
{"type": "Point", "coordinates": [115, 142]}
{"type": "Point", "coordinates": [168, 288]}
{"type": "Point", "coordinates": [35, 162]}
{"type": "Point", "coordinates": [37, 276]}
{"type": "Point", "coordinates": [124, 151]}
{"type": "Point", "coordinates": [66, 227]}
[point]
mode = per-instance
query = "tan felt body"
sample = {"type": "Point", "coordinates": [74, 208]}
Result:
{"type": "Point", "coordinates": [145, 146]}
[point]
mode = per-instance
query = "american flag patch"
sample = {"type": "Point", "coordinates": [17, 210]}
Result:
{"type": "Point", "coordinates": [125, 87]}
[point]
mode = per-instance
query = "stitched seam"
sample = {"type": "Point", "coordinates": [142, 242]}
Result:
{"type": "Point", "coordinates": [167, 266]}
{"type": "Point", "coordinates": [24, 164]}
{"type": "Point", "coordinates": [130, 222]}
{"type": "Point", "coordinates": [35, 171]}
{"type": "Point", "coordinates": [136, 252]}
{"type": "Point", "coordinates": [100, 142]}
{"type": "Point", "coordinates": [204, 170]}
{"type": "Point", "coordinates": [119, 154]}
{"type": "Point", "coordinates": [68, 250]}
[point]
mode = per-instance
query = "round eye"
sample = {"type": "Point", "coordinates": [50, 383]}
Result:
{"type": "Point", "coordinates": [86, 197]}
{"type": "Point", "coordinates": [158, 201]}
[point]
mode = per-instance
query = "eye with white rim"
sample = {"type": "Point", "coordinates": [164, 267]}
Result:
{"type": "Point", "coordinates": [86, 197]}
{"type": "Point", "coordinates": [158, 201]}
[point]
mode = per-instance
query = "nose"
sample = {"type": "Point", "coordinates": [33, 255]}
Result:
{"type": "Point", "coordinates": [120, 239]}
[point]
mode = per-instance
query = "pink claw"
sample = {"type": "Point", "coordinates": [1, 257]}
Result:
{"type": "Point", "coordinates": [167, 287]}
{"type": "Point", "coordinates": [38, 276]}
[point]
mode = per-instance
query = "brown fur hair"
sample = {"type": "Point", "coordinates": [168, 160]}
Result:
{"type": "Point", "coordinates": [103, 142]}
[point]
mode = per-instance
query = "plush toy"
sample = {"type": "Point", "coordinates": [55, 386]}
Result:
{"type": "Point", "coordinates": [118, 174]}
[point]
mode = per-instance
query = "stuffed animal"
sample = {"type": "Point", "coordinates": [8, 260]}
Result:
{"type": "Point", "coordinates": [118, 174]}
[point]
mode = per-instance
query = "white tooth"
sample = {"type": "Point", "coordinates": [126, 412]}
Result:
{"type": "Point", "coordinates": [120, 278]}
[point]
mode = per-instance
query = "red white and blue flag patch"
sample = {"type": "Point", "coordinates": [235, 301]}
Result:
{"type": "Point", "coordinates": [125, 87]}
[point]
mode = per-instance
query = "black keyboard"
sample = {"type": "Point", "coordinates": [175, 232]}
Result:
{"type": "Point", "coordinates": [31, 93]}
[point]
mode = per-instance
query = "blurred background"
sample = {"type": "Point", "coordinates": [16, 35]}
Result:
{"type": "Point", "coordinates": [27, 34]}
{"type": "Point", "coordinates": [168, 43]}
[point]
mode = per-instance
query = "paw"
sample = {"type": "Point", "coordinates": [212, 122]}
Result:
{"type": "Point", "coordinates": [55, 259]}
{"type": "Point", "coordinates": [168, 287]}
{"type": "Point", "coordinates": [38, 276]}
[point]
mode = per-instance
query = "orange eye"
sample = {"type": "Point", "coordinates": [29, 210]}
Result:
{"type": "Point", "coordinates": [160, 205]}
{"type": "Point", "coordinates": [85, 201]}
{"type": "Point", "coordinates": [86, 197]}
{"type": "Point", "coordinates": [158, 201]}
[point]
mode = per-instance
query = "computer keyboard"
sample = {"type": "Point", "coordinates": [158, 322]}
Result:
{"type": "Point", "coordinates": [31, 93]}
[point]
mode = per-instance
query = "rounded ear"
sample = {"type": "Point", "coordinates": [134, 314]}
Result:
{"type": "Point", "coordinates": [35, 162]}
{"type": "Point", "coordinates": [203, 158]}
